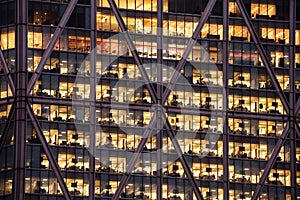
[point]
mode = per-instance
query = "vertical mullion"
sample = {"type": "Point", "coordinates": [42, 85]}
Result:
{"type": "Point", "coordinates": [93, 57]}
{"type": "Point", "coordinates": [292, 113]}
{"type": "Point", "coordinates": [159, 174]}
{"type": "Point", "coordinates": [225, 100]}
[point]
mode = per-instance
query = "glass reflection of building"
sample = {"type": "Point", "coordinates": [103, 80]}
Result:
{"type": "Point", "coordinates": [255, 115]}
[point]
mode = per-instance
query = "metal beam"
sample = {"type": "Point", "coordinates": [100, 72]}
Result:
{"type": "Point", "coordinates": [47, 150]}
{"type": "Point", "coordinates": [4, 134]}
{"type": "Point", "coordinates": [263, 54]}
{"type": "Point", "coordinates": [261, 116]}
{"type": "Point", "coordinates": [184, 163]}
{"type": "Point", "coordinates": [133, 50]}
{"type": "Point", "coordinates": [169, 109]}
{"type": "Point", "coordinates": [135, 157]}
{"type": "Point", "coordinates": [6, 101]}
{"type": "Point", "coordinates": [271, 162]}
{"type": "Point", "coordinates": [225, 100]}
{"type": "Point", "coordinates": [7, 72]}
{"type": "Point", "coordinates": [60, 27]}
{"type": "Point", "coordinates": [188, 50]}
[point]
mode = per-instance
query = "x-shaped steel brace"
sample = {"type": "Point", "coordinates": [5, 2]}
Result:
{"type": "Point", "coordinates": [153, 95]}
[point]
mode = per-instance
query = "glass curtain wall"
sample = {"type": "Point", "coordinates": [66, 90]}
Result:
{"type": "Point", "coordinates": [123, 103]}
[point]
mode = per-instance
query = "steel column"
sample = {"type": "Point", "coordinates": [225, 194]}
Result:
{"type": "Point", "coordinates": [263, 55]}
{"type": "Point", "coordinates": [292, 98]}
{"type": "Point", "coordinates": [92, 118]}
{"type": "Point", "coordinates": [225, 100]}
{"type": "Point", "coordinates": [133, 50]}
{"type": "Point", "coordinates": [184, 163]}
{"type": "Point", "coordinates": [135, 157]}
{"type": "Point", "coordinates": [7, 73]}
{"type": "Point", "coordinates": [60, 27]}
{"type": "Point", "coordinates": [53, 163]}
{"type": "Point", "coordinates": [271, 161]}
{"type": "Point", "coordinates": [188, 50]}
{"type": "Point", "coordinates": [21, 9]}
{"type": "Point", "coordinates": [159, 136]}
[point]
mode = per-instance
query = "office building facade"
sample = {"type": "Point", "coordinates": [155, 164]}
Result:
{"type": "Point", "coordinates": [150, 99]}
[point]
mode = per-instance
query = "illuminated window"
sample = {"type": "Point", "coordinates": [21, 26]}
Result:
{"type": "Point", "coordinates": [280, 36]}
{"type": "Point", "coordinates": [258, 10]}
{"type": "Point", "coordinates": [7, 40]}
{"type": "Point", "coordinates": [240, 33]}
{"type": "Point", "coordinates": [297, 37]}
{"type": "Point", "coordinates": [149, 5]}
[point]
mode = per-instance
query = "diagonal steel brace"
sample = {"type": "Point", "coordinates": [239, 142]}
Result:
{"type": "Point", "coordinates": [51, 45]}
{"type": "Point", "coordinates": [263, 55]}
{"type": "Point", "coordinates": [183, 161]}
{"type": "Point", "coordinates": [46, 147]}
{"type": "Point", "coordinates": [133, 50]}
{"type": "Point", "coordinates": [271, 162]}
{"type": "Point", "coordinates": [4, 135]}
{"type": "Point", "coordinates": [7, 73]}
{"type": "Point", "coordinates": [188, 50]}
{"type": "Point", "coordinates": [135, 157]}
